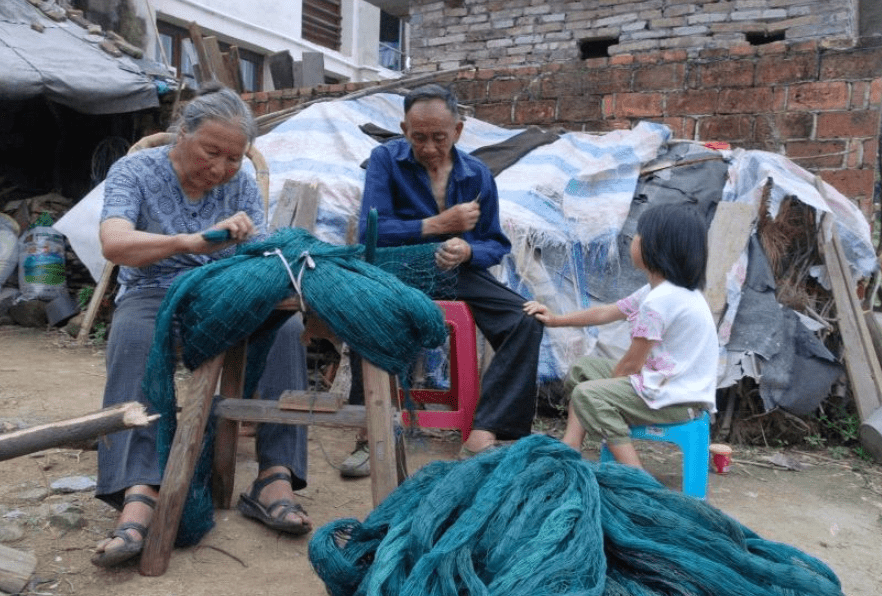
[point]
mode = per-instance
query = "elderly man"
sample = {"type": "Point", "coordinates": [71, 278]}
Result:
{"type": "Point", "coordinates": [426, 190]}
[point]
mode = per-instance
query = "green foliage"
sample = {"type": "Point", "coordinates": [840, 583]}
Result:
{"type": "Point", "coordinates": [99, 335]}
{"type": "Point", "coordinates": [84, 296]}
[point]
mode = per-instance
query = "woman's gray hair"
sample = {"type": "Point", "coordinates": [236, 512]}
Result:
{"type": "Point", "coordinates": [216, 102]}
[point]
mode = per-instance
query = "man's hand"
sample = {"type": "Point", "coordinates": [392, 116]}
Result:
{"type": "Point", "coordinates": [452, 253]}
{"type": "Point", "coordinates": [455, 220]}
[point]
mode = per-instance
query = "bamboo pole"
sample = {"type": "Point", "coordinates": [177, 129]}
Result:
{"type": "Point", "coordinates": [54, 434]}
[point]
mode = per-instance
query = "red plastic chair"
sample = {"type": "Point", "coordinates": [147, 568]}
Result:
{"type": "Point", "coordinates": [465, 383]}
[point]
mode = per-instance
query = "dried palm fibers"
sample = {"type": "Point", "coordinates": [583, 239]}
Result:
{"type": "Point", "coordinates": [215, 306]}
{"type": "Point", "coordinates": [535, 519]}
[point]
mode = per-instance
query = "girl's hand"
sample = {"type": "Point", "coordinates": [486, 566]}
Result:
{"type": "Point", "coordinates": [540, 311]}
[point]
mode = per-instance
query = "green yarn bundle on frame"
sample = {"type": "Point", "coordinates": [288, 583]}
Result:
{"type": "Point", "coordinates": [217, 305]}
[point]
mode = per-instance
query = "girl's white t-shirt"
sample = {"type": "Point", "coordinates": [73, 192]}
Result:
{"type": "Point", "coordinates": [682, 363]}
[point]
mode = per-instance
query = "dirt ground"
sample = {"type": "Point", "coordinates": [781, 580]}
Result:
{"type": "Point", "coordinates": [831, 509]}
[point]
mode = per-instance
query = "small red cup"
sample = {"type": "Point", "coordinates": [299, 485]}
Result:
{"type": "Point", "coordinates": [722, 457]}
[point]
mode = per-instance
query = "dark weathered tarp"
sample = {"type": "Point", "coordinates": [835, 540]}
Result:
{"type": "Point", "coordinates": [66, 65]}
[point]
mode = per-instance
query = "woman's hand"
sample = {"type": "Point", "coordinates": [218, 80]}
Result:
{"type": "Point", "coordinates": [239, 225]}
{"type": "Point", "coordinates": [541, 312]}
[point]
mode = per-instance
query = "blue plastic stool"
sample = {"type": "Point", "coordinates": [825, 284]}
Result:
{"type": "Point", "coordinates": [693, 438]}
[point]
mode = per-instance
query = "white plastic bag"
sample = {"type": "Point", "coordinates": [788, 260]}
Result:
{"type": "Point", "coordinates": [8, 247]}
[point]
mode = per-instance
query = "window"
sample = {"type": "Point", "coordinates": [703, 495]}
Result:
{"type": "Point", "coordinates": [391, 51]}
{"type": "Point", "coordinates": [175, 48]}
{"type": "Point", "coordinates": [178, 50]}
{"type": "Point", "coordinates": [321, 22]}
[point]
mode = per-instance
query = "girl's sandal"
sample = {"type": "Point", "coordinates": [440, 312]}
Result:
{"type": "Point", "coordinates": [131, 547]}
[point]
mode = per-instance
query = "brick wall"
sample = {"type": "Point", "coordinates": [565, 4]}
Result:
{"type": "Point", "coordinates": [819, 106]}
{"type": "Point", "coordinates": [445, 34]}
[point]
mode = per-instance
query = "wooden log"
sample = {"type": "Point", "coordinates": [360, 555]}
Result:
{"type": "Point", "coordinates": [381, 439]}
{"type": "Point", "coordinates": [863, 367]}
{"type": "Point", "coordinates": [226, 439]}
{"type": "Point", "coordinates": [297, 206]}
{"type": "Point", "coordinates": [65, 432]}
{"type": "Point", "coordinates": [95, 303]}
{"type": "Point", "coordinates": [178, 474]}
{"type": "Point", "coordinates": [16, 568]}
{"type": "Point", "coordinates": [266, 410]}
{"type": "Point", "coordinates": [727, 238]}
{"type": "Point", "coordinates": [231, 61]}
{"type": "Point", "coordinates": [311, 401]}
{"type": "Point", "coordinates": [205, 71]}
{"type": "Point", "coordinates": [216, 60]}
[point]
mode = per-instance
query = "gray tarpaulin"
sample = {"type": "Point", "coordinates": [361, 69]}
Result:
{"type": "Point", "coordinates": [65, 64]}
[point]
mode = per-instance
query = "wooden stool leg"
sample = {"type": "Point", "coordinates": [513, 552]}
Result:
{"type": "Point", "coordinates": [226, 439]}
{"type": "Point", "coordinates": [381, 441]}
{"type": "Point", "coordinates": [178, 474]}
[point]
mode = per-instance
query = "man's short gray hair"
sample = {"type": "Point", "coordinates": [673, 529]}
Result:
{"type": "Point", "coordinates": [216, 102]}
{"type": "Point", "coordinates": [432, 91]}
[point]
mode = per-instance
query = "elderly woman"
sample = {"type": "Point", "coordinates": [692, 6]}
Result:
{"type": "Point", "coordinates": [158, 202]}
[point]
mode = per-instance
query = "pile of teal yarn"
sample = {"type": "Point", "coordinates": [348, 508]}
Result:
{"type": "Point", "coordinates": [535, 519]}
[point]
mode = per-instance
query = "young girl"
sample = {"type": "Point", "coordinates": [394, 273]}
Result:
{"type": "Point", "coordinates": [669, 372]}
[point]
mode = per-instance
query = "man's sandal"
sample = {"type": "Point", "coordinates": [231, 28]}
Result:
{"type": "Point", "coordinates": [131, 547]}
{"type": "Point", "coordinates": [273, 516]}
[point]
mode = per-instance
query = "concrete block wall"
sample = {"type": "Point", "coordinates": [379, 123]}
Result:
{"type": "Point", "coordinates": [445, 34]}
{"type": "Point", "coordinates": [819, 106]}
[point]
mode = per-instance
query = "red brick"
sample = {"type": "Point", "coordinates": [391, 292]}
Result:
{"type": "Point", "coordinates": [563, 85]}
{"type": "Point", "coordinates": [742, 50]}
{"type": "Point", "coordinates": [853, 153]}
{"type": "Point", "coordinates": [579, 109]}
{"type": "Point", "coordinates": [621, 59]}
{"type": "Point", "coordinates": [534, 112]}
{"type": "Point", "coordinates": [596, 62]}
{"type": "Point", "coordinates": [817, 154]}
{"type": "Point", "coordinates": [681, 128]}
{"type": "Point", "coordinates": [648, 58]}
{"type": "Point", "coordinates": [860, 91]}
{"type": "Point", "coordinates": [732, 129]}
{"type": "Point", "coordinates": [606, 80]}
{"type": "Point", "coordinates": [692, 103]}
{"type": "Point", "coordinates": [871, 152]}
{"type": "Point", "coordinates": [495, 113]}
{"type": "Point", "coordinates": [834, 125]}
{"type": "Point", "coordinates": [853, 184]}
{"type": "Point", "coordinates": [674, 56]}
{"type": "Point", "coordinates": [851, 65]}
{"type": "Point", "coordinates": [506, 89]}
{"type": "Point", "coordinates": [818, 96]}
{"type": "Point", "coordinates": [471, 90]}
{"type": "Point", "coordinates": [775, 69]}
{"type": "Point", "coordinates": [784, 127]}
{"type": "Point", "coordinates": [738, 73]}
{"type": "Point", "coordinates": [609, 105]}
{"type": "Point", "coordinates": [660, 77]}
{"type": "Point", "coordinates": [639, 105]}
{"type": "Point", "coordinates": [876, 93]}
{"type": "Point", "coordinates": [713, 53]}
{"type": "Point", "coordinates": [745, 101]}
{"type": "Point", "coordinates": [803, 46]}
{"type": "Point", "coordinates": [776, 47]}
{"type": "Point", "coordinates": [486, 74]}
